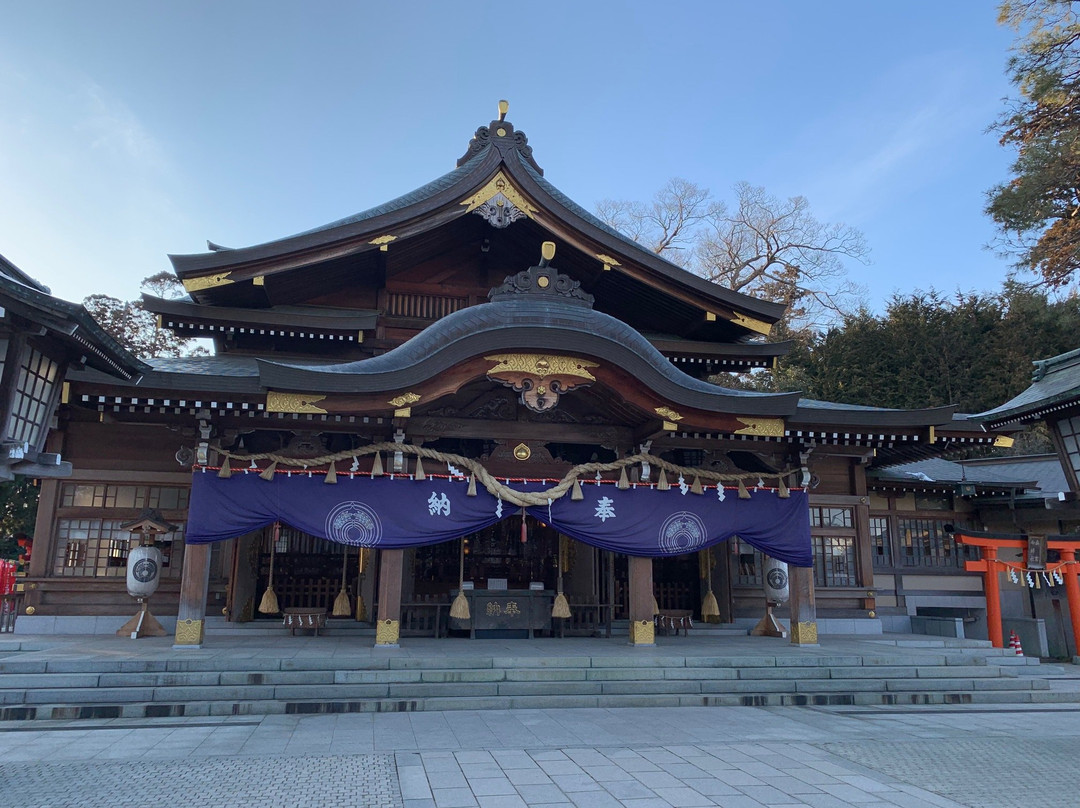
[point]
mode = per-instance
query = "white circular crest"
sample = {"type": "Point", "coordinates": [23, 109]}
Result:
{"type": "Point", "coordinates": [682, 532]}
{"type": "Point", "coordinates": [353, 523]}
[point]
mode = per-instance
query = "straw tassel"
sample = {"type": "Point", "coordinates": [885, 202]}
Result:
{"type": "Point", "coordinates": [226, 471]}
{"type": "Point", "coordinates": [743, 493]}
{"type": "Point", "coordinates": [269, 604]}
{"type": "Point", "coordinates": [268, 472]}
{"type": "Point", "coordinates": [331, 474]}
{"type": "Point", "coordinates": [623, 482]}
{"type": "Point", "coordinates": [459, 609]}
{"type": "Point", "coordinates": [782, 489]}
{"type": "Point", "coordinates": [655, 606]}
{"type": "Point", "coordinates": [472, 486]}
{"type": "Point", "coordinates": [419, 473]}
{"type": "Point", "coordinates": [709, 607]}
{"type": "Point", "coordinates": [661, 481]}
{"type": "Point", "coordinates": [376, 467]}
{"type": "Point", "coordinates": [575, 492]}
{"type": "Point", "coordinates": [696, 488]}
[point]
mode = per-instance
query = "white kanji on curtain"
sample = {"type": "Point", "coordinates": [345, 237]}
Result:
{"type": "Point", "coordinates": [605, 509]}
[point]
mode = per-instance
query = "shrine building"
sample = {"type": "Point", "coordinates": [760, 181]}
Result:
{"type": "Point", "coordinates": [478, 394]}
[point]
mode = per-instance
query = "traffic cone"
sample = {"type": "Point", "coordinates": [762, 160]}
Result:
{"type": "Point", "coordinates": [1014, 643]}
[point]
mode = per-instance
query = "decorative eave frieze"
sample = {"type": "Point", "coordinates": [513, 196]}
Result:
{"type": "Point", "coordinates": [189, 328]}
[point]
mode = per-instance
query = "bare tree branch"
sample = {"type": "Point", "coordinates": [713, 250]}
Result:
{"type": "Point", "coordinates": [763, 246]}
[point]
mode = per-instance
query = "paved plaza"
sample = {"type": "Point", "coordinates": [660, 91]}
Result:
{"type": "Point", "coordinates": [736, 757]}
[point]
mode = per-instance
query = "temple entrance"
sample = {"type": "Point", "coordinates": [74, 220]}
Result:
{"type": "Point", "coordinates": [678, 583]}
{"type": "Point", "coordinates": [310, 573]}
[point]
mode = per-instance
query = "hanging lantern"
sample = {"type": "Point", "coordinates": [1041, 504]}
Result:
{"type": "Point", "coordinates": [143, 571]}
{"type": "Point", "coordinates": [777, 589]}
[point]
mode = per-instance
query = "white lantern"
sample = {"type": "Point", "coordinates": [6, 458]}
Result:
{"type": "Point", "coordinates": [776, 581]}
{"type": "Point", "coordinates": [143, 571]}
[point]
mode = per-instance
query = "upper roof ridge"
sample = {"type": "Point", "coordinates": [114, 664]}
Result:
{"type": "Point", "coordinates": [1044, 367]}
{"type": "Point", "coordinates": [500, 135]}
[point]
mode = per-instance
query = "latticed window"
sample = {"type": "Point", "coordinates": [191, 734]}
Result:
{"type": "Point", "coordinates": [99, 495]}
{"type": "Point", "coordinates": [834, 561]}
{"type": "Point", "coordinates": [3, 356]}
{"type": "Point", "coordinates": [33, 394]}
{"type": "Point", "coordinates": [925, 543]}
{"type": "Point", "coordinates": [879, 541]}
{"type": "Point", "coordinates": [98, 548]}
{"type": "Point", "coordinates": [831, 517]}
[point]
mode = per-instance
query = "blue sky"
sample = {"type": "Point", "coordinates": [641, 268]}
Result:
{"type": "Point", "coordinates": [129, 130]}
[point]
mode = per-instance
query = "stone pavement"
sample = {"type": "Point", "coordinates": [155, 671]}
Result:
{"type": "Point", "coordinates": [736, 757]}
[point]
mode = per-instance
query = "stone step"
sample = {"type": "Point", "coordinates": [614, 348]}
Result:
{"type": "Point", "coordinates": [62, 710]}
{"type": "Point", "coordinates": [29, 675]}
{"type": "Point", "coordinates": [140, 688]}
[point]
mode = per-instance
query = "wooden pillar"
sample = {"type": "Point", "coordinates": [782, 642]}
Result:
{"type": "Point", "coordinates": [993, 597]}
{"type": "Point", "coordinates": [1072, 592]}
{"type": "Point", "coordinates": [388, 625]}
{"type": "Point", "coordinates": [803, 608]}
{"type": "Point", "coordinates": [191, 617]}
{"type": "Point", "coordinates": [642, 627]}
{"type": "Point", "coordinates": [723, 581]}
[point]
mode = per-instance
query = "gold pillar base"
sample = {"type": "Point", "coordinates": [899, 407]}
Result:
{"type": "Point", "coordinates": [387, 633]}
{"type": "Point", "coordinates": [189, 633]}
{"type": "Point", "coordinates": [642, 632]}
{"type": "Point", "coordinates": [804, 633]}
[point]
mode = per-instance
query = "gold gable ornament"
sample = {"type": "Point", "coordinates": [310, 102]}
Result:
{"type": "Point", "coordinates": [499, 203]}
{"type": "Point", "coordinates": [540, 378]}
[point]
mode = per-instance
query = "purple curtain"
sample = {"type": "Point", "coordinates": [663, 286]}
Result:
{"type": "Point", "coordinates": [401, 512]}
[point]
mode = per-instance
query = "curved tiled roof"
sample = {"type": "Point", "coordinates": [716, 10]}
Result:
{"type": "Point", "coordinates": [87, 336]}
{"type": "Point", "coordinates": [525, 323]}
{"type": "Point", "coordinates": [1055, 384]}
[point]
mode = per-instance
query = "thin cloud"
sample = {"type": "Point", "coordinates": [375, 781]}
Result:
{"type": "Point", "coordinates": [113, 127]}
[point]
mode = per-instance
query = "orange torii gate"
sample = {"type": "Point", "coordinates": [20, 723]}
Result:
{"type": "Point", "coordinates": [1034, 562]}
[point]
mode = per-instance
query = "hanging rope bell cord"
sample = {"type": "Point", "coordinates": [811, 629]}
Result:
{"type": "Point", "coordinates": [342, 604]}
{"type": "Point", "coordinates": [709, 607]}
{"type": "Point", "coordinates": [361, 608]}
{"type": "Point", "coordinates": [561, 607]}
{"type": "Point", "coordinates": [269, 604]}
{"type": "Point", "coordinates": [460, 607]}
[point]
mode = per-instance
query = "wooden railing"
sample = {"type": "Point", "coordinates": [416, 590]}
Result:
{"type": "Point", "coordinates": [307, 593]}
{"type": "Point", "coordinates": [9, 610]}
{"type": "Point", "coordinates": [676, 595]}
{"type": "Point", "coordinates": [586, 620]}
{"type": "Point", "coordinates": [427, 617]}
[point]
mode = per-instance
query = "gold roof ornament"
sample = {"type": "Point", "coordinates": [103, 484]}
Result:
{"type": "Point", "coordinates": [669, 414]}
{"type": "Point", "coordinates": [768, 427]}
{"type": "Point", "coordinates": [294, 402]}
{"type": "Point", "coordinates": [206, 282]}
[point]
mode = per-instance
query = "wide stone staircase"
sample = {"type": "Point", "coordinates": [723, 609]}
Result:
{"type": "Point", "coordinates": [321, 675]}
